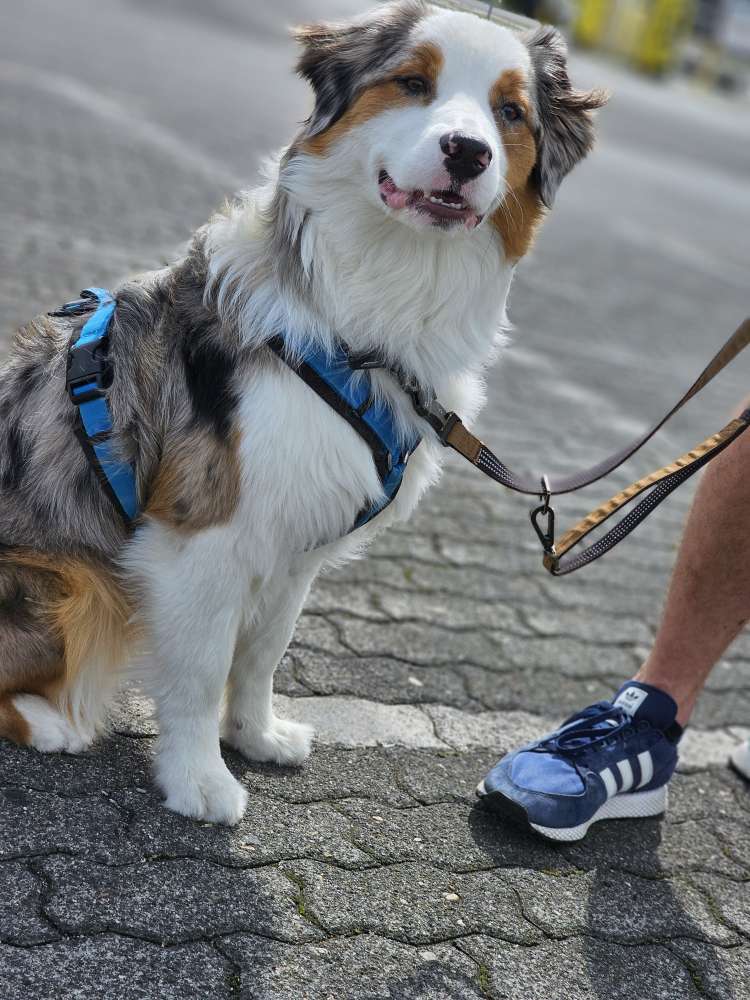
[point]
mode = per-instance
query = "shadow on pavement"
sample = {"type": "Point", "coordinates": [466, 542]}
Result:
{"type": "Point", "coordinates": [608, 909]}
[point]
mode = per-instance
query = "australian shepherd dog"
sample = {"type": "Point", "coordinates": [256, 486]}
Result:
{"type": "Point", "coordinates": [393, 222]}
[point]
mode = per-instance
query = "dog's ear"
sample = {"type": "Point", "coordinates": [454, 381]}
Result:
{"type": "Point", "coordinates": [338, 60]}
{"type": "Point", "coordinates": [327, 65]}
{"type": "Point", "coordinates": [565, 128]}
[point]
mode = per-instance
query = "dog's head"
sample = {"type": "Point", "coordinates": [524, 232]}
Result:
{"type": "Point", "coordinates": [440, 117]}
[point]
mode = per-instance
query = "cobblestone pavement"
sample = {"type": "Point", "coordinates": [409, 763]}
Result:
{"type": "Point", "coordinates": [370, 872]}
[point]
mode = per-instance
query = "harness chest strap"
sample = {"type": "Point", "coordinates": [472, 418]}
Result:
{"type": "Point", "coordinates": [331, 376]}
{"type": "Point", "coordinates": [89, 376]}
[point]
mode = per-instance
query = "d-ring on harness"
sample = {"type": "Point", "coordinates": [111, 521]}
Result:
{"type": "Point", "coordinates": [453, 434]}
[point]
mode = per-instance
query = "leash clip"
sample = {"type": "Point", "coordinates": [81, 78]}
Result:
{"type": "Point", "coordinates": [546, 533]}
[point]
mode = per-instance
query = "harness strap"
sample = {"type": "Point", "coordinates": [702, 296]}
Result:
{"type": "Point", "coordinates": [331, 377]}
{"type": "Point", "coordinates": [87, 379]}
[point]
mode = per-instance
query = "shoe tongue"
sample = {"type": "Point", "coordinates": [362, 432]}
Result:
{"type": "Point", "coordinates": [642, 701]}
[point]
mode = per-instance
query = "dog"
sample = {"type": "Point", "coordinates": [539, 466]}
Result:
{"type": "Point", "coordinates": [392, 223]}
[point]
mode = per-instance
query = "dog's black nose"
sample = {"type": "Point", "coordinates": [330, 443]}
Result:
{"type": "Point", "coordinates": [465, 156]}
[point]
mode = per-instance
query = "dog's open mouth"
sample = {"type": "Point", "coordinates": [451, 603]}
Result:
{"type": "Point", "coordinates": [444, 208]}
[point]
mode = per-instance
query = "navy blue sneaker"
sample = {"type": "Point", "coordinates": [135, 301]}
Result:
{"type": "Point", "coordinates": [613, 760]}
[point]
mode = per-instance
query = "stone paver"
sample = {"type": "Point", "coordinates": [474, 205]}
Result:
{"type": "Point", "coordinates": [371, 873]}
{"type": "Point", "coordinates": [21, 920]}
{"type": "Point", "coordinates": [365, 967]}
{"type": "Point", "coordinates": [579, 969]}
{"type": "Point", "coordinates": [413, 902]}
{"type": "Point", "coordinates": [171, 901]}
{"type": "Point", "coordinates": [113, 966]}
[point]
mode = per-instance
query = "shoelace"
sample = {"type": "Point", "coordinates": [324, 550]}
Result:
{"type": "Point", "coordinates": [589, 733]}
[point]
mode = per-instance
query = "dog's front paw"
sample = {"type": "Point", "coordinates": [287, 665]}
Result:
{"type": "Point", "coordinates": [211, 794]}
{"type": "Point", "coordinates": [283, 742]}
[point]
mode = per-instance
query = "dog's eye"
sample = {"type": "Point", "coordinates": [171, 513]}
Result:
{"type": "Point", "coordinates": [511, 112]}
{"type": "Point", "coordinates": [416, 86]}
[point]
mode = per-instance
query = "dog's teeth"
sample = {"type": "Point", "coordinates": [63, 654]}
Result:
{"type": "Point", "coordinates": [459, 205]}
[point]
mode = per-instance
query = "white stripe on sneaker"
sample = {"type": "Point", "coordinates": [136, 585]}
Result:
{"type": "Point", "coordinates": [646, 764]}
{"type": "Point", "coordinates": [626, 773]}
{"type": "Point", "coordinates": [610, 782]}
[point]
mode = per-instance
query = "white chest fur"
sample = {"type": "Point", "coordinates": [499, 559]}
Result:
{"type": "Point", "coordinates": [432, 305]}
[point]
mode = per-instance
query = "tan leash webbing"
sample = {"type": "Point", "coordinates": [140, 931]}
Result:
{"type": "Point", "coordinates": [453, 434]}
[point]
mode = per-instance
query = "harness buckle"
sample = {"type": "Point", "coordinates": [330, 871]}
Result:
{"type": "Point", "coordinates": [427, 406]}
{"type": "Point", "coordinates": [423, 400]}
{"type": "Point", "coordinates": [88, 370]}
{"type": "Point", "coordinates": [545, 534]}
{"type": "Point", "coordinates": [365, 362]}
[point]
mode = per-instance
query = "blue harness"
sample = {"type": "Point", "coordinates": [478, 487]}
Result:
{"type": "Point", "coordinates": [89, 375]}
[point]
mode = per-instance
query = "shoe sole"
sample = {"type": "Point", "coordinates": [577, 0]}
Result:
{"type": "Point", "coordinates": [630, 805]}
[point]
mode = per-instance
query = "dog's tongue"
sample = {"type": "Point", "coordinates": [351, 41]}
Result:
{"type": "Point", "coordinates": [393, 196]}
{"type": "Point", "coordinates": [642, 701]}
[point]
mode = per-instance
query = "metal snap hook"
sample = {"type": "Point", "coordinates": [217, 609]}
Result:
{"type": "Point", "coordinates": [546, 533]}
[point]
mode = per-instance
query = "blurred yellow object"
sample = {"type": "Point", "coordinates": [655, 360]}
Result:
{"type": "Point", "coordinates": [644, 32]}
{"type": "Point", "coordinates": [592, 22]}
{"type": "Point", "coordinates": [626, 26]}
{"type": "Point", "coordinates": [666, 21]}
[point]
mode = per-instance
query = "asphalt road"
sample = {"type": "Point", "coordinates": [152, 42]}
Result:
{"type": "Point", "coordinates": [123, 124]}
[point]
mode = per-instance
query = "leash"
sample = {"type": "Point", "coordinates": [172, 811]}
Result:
{"type": "Point", "coordinates": [453, 434]}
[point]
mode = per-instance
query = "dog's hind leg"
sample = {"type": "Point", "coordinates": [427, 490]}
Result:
{"type": "Point", "coordinates": [32, 664]}
{"type": "Point", "coordinates": [250, 725]}
{"type": "Point", "coordinates": [59, 624]}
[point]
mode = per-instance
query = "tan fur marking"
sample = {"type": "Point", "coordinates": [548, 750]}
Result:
{"type": "Point", "coordinates": [426, 60]}
{"type": "Point", "coordinates": [521, 211]}
{"type": "Point", "coordinates": [87, 609]}
{"type": "Point", "coordinates": [198, 482]}
{"type": "Point", "coordinates": [82, 618]}
{"type": "Point", "coordinates": [517, 220]}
